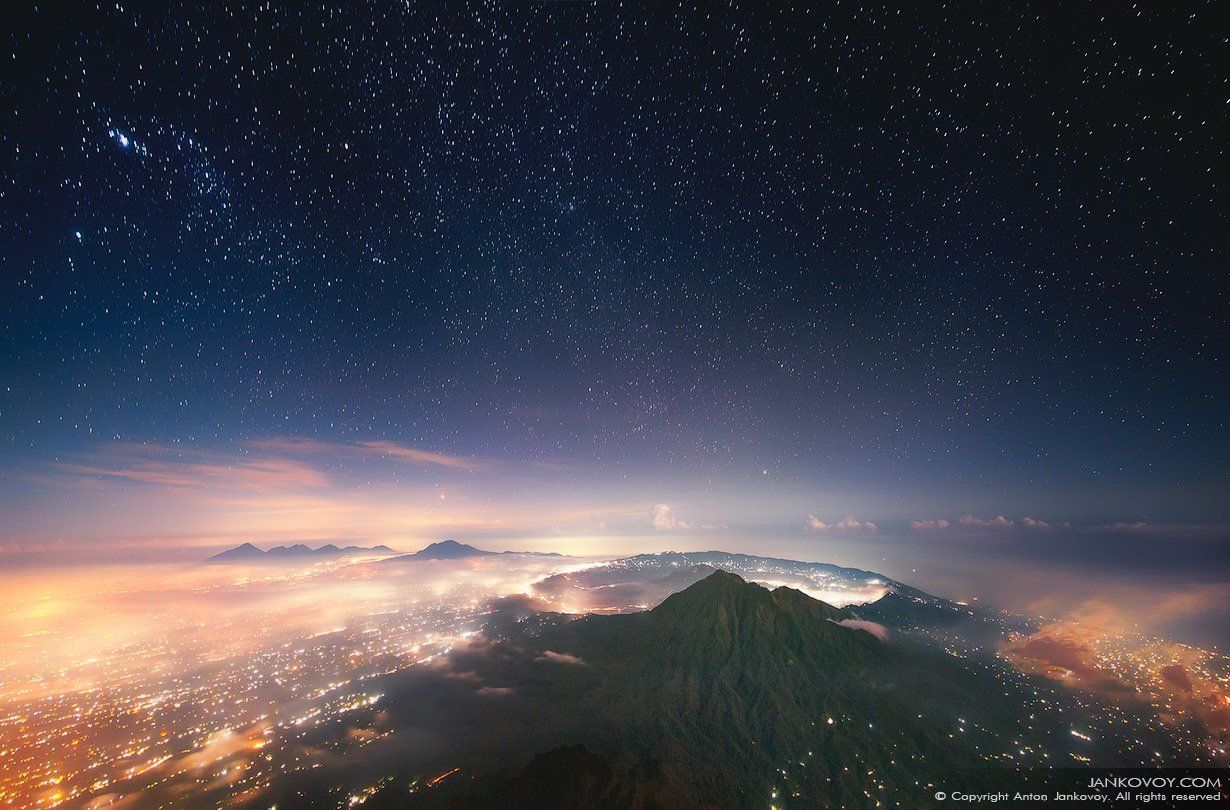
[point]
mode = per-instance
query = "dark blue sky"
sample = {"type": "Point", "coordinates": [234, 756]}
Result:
{"type": "Point", "coordinates": [941, 260]}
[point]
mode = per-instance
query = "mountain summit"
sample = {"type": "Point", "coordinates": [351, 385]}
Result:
{"type": "Point", "coordinates": [723, 615]}
{"type": "Point", "coordinates": [247, 551]}
{"type": "Point", "coordinates": [449, 550]}
{"type": "Point", "coordinates": [452, 550]}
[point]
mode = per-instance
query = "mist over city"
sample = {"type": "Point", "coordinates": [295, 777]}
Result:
{"type": "Point", "coordinates": [599, 405]}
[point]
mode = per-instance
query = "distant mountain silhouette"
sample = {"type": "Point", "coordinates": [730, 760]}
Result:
{"type": "Point", "coordinates": [250, 553]}
{"type": "Point", "coordinates": [452, 550]}
{"type": "Point", "coordinates": [247, 551]}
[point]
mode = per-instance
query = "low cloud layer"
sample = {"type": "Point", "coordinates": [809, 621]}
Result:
{"type": "Point", "coordinates": [850, 525]}
{"type": "Point", "coordinates": [875, 628]}
{"type": "Point", "coordinates": [998, 522]}
{"type": "Point", "coordinates": [1180, 680]}
{"type": "Point", "coordinates": [929, 524]}
{"type": "Point", "coordinates": [972, 522]}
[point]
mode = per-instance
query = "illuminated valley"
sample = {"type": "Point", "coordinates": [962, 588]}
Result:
{"type": "Point", "coordinates": [234, 682]}
{"type": "Point", "coordinates": [213, 685]}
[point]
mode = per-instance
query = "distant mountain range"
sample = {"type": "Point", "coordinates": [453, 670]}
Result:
{"type": "Point", "coordinates": [250, 553]}
{"type": "Point", "coordinates": [452, 550]}
{"type": "Point", "coordinates": [443, 550]}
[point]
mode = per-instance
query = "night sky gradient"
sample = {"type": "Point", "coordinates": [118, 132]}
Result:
{"type": "Point", "coordinates": [894, 263]}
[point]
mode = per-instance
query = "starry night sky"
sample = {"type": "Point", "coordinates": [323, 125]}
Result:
{"type": "Point", "coordinates": [893, 262]}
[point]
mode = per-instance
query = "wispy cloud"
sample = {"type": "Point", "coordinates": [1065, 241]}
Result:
{"type": "Point", "coordinates": [413, 455]}
{"type": "Point", "coordinates": [297, 445]}
{"type": "Point", "coordinates": [1170, 529]}
{"type": "Point", "coordinates": [561, 658]}
{"type": "Point", "coordinates": [288, 464]}
{"type": "Point", "coordinates": [16, 547]}
{"type": "Point", "coordinates": [382, 448]}
{"type": "Point", "coordinates": [194, 471]}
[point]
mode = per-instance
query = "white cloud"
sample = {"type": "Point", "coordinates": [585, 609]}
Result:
{"type": "Point", "coordinates": [665, 521]}
{"type": "Point", "coordinates": [999, 522]}
{"type": "Point", "coordinates": [850, 524]}
{"type": "Point", "coordinates": [929, 524]}
{"type": "Point", "coordinates": [494, 691]}
{"type": "Point", "coordinates": [1031, 523]}
{"type": "Point", "coordinates": [876, 629]}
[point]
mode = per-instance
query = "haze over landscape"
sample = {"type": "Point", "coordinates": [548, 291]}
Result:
{"type": "Point", "coordinates": [533, 404]}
